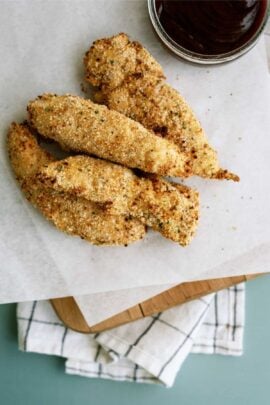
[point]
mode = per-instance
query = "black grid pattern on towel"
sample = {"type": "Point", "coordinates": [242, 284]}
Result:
{"type": "Point", "coordinates": [233, 325]}
{"type": "Point", "coordinates": [33, 319]}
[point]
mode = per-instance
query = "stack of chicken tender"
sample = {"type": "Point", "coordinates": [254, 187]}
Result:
{"type": "Point", "coordinates": [139, 131]}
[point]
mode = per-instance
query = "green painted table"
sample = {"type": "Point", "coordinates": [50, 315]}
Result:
{"type": "Point", "coordinates": [40, 380]}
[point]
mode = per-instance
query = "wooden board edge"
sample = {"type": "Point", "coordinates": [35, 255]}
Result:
{"type": "Point", "coordinates": [68, 311]}
{"type": "Point", "coordinates": [70, 314]}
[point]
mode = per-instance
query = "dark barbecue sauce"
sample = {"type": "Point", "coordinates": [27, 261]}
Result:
{"type": "Point", "coordinates": [210, 27]}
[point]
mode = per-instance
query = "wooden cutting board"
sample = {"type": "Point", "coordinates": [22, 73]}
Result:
{"type": "Point", "coordinates": [70, 314]}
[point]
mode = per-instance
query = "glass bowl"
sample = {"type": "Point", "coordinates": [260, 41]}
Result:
{"type": "Point", "coordinates": [203, 58]}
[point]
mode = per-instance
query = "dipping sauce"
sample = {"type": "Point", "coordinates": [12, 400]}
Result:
{"type": "Point", "coordinates": [211, 27]}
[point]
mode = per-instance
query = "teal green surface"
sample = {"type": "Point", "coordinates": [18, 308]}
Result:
{"type": "Point", "coordinates": [33, 379]}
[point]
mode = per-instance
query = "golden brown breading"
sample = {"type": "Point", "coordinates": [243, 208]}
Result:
{"type": "Point", "coordinates": [94, 179]}
{"type": "Point", "coordinates": [111, 60]}
{"type": "Point", "coordinates": [169, 210]}
{"type": "Point", "coordinates": [83, 126]}
{"type": "Point", "coordinates": [69, 213]}
{"type": "Point", "coordinates": [26, 156]}
{"type": "Point", "coordinates": [137, 89]}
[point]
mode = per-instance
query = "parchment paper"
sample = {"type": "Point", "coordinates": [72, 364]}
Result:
{"type": "Point", "coordinates": [100, 306]}
{"type": "Point", "coordinates": [41, 48]}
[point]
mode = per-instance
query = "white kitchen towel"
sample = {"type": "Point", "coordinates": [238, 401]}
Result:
{"type": "Point", "coordinates": [151, 349]}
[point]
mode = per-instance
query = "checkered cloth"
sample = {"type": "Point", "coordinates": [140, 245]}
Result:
{"type": "Point", "coordinates": [150, 350]}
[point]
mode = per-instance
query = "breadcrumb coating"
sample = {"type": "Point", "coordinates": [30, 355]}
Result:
{"type": "Point", "coordinates": [83, 126]}
{"type": "Point", "coordinates": [130, 81]}
{"type": "Point", "coordinates": [169, 209]}
{"type": "Point", "coordinates": [69, 213]}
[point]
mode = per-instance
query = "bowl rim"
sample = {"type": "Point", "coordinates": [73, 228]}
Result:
{"type": "Point", "coordinates": [203, 58]}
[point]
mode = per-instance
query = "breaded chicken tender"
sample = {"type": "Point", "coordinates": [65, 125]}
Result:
{"type": "Point", "coordinates": [69, 213]}
{"type": "Point", "coordinates": [130, 81]}
{"type": "Point", "coordinates": [170, 210]}
{"type": "Point", "coordinates": [83, 126]}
